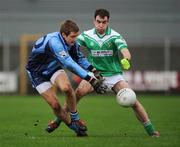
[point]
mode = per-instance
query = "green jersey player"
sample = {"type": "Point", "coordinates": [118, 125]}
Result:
{"type": "Point", "coordinates": [104, 45]}
{"type": "Point", "coordinates": [104, 50]}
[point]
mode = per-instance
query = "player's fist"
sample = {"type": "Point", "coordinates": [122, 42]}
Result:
{"type": "Point", "coordinates": [125, 63]}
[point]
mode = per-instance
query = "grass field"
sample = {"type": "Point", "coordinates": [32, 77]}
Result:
{"type": "Point", "coordinates": [109, 125]}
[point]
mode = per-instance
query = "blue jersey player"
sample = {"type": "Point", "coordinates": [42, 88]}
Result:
{"type": "Point", "coordinates": [50, 55]}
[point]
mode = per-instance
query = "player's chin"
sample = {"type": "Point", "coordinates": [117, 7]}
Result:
{"type": "Point", "coordinates": [101, 31]}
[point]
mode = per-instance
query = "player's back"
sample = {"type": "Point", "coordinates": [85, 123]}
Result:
{"type": "Point", "coordinates": [41, 58]}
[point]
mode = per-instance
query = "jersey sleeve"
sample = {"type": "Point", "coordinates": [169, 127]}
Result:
{"type": "Point", "coordinates": [120, 43]}
{"type": "Point", "coordinates": [65, 59]}
{"type": "Point", "coordinates": [81, 59]}
{"type": "Point", "coordinates": [80, 40]}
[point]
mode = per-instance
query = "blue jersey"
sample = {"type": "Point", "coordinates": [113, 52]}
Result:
{"type": "Point", "coordinates": [50, 53]}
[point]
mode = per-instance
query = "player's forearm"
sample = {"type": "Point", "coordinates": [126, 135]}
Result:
{"type": "Point", "coordinates": [126, 54]}
{"type": "Point", "coordinates": [84, 63]}
{"type": "Point", "coordinates": [71, 65]}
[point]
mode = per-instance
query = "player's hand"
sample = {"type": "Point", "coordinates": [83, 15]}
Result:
{"type": "Point", "coordinates": [97, 85]}
{"type": "Point", "coordinates": [125, 63]}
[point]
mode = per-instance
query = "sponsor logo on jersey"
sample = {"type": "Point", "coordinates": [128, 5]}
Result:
{"type": "Point", "coordinates": [62, 53]}
{"type": "Point", "coordinates": [101, 53]}
{"type": "Point", "coordinates": [109, 44]}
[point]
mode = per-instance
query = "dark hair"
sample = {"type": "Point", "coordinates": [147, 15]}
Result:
{"type": "Point", "coordinates": [68, 26]}
{"type": "Point", "coordinates": [102, 13]}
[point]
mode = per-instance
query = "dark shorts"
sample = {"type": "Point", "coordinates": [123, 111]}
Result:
{"type": "Point", "coordinates": [38, 78]}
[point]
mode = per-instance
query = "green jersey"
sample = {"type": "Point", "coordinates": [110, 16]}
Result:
{"type": "Point", "coordinates": [103, 50]}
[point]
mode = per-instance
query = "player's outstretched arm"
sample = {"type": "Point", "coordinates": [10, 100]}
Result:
{"type": "Point", "coordinates": [126, 58]}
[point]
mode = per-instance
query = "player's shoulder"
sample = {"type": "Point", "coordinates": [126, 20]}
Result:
{"type": "Point", "coordinates": [115, 33]}
{"type": "Point", "coordinates": [55, 39]}
{"type": "Point", "coordinates": [88, 32]}
{"type": "Point", "coordinates": [53, 35]}
{"type": "Point", "coordinates": [85, 34]}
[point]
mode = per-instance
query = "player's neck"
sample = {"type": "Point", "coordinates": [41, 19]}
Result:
{"type": "Point", "coordinates": [101, 35]}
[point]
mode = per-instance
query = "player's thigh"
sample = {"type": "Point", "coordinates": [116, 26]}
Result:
{"type": "Point", "coordinates": [62, 81]}
{"type": "Point", "coordinates": [83, 88]}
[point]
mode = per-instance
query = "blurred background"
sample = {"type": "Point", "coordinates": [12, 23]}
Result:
{"type": "Point", "coordinates": [150, 27]}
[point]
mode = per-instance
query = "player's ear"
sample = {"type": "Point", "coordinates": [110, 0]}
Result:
{"type": "Point", "coordinates": [94, 21]}
{"type": "Point", "coordinates": [64, 35]}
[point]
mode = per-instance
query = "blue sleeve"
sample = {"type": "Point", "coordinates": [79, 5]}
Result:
{"type": "Point", "coordinates": [64, 58]}
{"type": "Point", "coordinates": [81, 59]}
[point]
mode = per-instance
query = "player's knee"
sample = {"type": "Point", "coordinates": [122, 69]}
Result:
{"type": "Point", "coordinates": [66, 88]}
{"type": "Point", "coordinates": [137, 105]}
{"type": "Point", "coordinates": [79, 93]}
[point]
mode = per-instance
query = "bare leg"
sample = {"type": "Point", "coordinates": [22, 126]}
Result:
{"type": "Point", "coordinates": [138, 108]}
{"type": "Point", "coordinates": [62, 81]}
{"type": "Point", "coordinates": [51, 99]}
{"type": "Point", "coordinates": [66, 87]}
{"type": "Point", "coordinates": [83, 89]}
{"type": "Point", "coordinates": [139, 111]}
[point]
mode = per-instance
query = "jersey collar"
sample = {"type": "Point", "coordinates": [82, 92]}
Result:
{"type": "Point", "coordinates": [63, 41]}
{"type": "Point", "coordinates": [107, 32]}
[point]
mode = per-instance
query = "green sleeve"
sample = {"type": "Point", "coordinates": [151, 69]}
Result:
{"type": "Point", "coordinates": [120, 43]}
{"type": "Point", "coordinates": [80, 40]}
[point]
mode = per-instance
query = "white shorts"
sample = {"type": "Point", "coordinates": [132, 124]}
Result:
{"type": "Point", "coordinates": [110, 81]}
{"type": "Point", "coordinates": [47, 85]}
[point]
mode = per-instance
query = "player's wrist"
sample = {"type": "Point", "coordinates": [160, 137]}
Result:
{"type": "Point", "coordinates": [90, 68]}
{"type": "Point", "coordinates": [88, 78]}
{"type": "Point", "coordinates": [126, 59]}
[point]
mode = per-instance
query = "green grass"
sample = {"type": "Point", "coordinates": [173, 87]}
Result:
{"type": "Point", "coordinates": [109, 125]}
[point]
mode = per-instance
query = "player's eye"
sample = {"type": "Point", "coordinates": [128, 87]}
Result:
{"type": "Point", "coordinates": [103, 22]}
{"type": "Point", "coordinates": [98, 21]}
